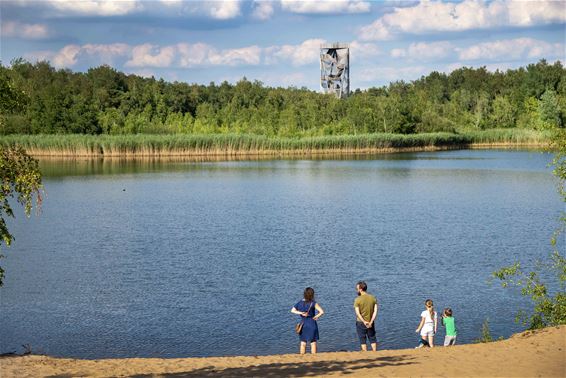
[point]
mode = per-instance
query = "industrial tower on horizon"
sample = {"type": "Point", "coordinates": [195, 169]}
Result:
{"type": "Point", "coordinates": [335, 69]}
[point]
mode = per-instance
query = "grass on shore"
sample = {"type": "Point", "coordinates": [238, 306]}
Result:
{"type": "Point", "coordinates": [225, 144]}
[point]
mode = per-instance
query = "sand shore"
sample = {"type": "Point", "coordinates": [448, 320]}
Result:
{"type": "Point", "coordinates": [529, 354]}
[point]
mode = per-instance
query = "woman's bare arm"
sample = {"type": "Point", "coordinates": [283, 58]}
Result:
{"type": "Point", "coordinates": [295, 311]}
{"type": "Point", "coordinates": [319, 310]}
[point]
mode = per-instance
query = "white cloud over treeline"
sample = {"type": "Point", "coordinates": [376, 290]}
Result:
{"type": "Point", "coordinates": [508, 49]}
{"type": "Point", "coordinates": [438, 16]}
{"type": "Point", "coordinates": [185, 55]}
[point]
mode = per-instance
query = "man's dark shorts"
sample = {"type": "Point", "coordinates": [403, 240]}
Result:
{"type": "Point", "coordinates": [366, 333]}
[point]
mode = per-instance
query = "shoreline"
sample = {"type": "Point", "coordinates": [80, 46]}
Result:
{"type": "Point", "coordinates": [531, 353]}
{"type": "Point", "coordinates": [270, 153]}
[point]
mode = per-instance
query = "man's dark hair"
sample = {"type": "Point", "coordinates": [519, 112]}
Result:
{"type": "Point", "coordinates": [309, 294]}
{"type": "Point", "coordinates": [362, 285]}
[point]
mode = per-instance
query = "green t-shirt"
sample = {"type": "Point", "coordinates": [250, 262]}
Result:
{"type": "Point", "coordinates": [450, 326]}
{"type": "Point", "coordinates": [365, 302]}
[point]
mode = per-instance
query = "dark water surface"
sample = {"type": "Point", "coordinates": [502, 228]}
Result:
{"type": "Point", "coordinates": [174, 259]}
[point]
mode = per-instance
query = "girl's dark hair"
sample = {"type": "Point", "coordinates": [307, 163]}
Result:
{"type": "Point", "coordinates": [309, 294]}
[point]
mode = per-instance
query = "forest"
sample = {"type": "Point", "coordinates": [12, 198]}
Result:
{"type": "Point", "coordinates": [105, 101]}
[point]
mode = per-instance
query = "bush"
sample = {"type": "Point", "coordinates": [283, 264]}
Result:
{"type": "Point", "coordinates": [549, 309]}
{"type": "Point", "coordinates": [485, 336]}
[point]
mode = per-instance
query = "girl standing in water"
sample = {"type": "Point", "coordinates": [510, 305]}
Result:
{"type": "Point", "coordinates": [428, 323]}
{"type": "Point", "coordinates": [309, 311]}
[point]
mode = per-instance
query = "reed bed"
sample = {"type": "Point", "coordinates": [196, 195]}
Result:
{"type": "Point", "coordinates": [66, 145]}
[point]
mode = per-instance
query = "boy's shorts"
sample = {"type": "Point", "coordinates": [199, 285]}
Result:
{"type": "Point", "coordinates": [449, 340]}
{"type": "Point", "coordinates": [366, 333]}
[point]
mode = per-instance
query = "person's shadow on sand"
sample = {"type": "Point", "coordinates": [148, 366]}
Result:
{"type": "Point", "coordinates": [294, 369]}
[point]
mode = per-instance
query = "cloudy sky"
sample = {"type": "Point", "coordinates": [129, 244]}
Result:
{"type": "Point", "coordinates": [278, 42]}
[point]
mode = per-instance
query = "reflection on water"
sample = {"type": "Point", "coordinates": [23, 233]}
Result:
{"type": "Point", "coordinates": [53, 167]}
{"type": "Point", "coordinates": [195, 258]}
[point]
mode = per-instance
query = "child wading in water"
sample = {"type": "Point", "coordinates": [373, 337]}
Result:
{"type": "Point", "coordinates": [427, 326]}
{"type": "Point", "coordinates": [448, 322]}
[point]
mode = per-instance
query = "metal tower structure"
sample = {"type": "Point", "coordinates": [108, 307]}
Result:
{"type": "Point", "coordinates": [335, 69]}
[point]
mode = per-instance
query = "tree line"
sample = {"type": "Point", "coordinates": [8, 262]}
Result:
{"type": "Point", "coordinates": [103, 100]}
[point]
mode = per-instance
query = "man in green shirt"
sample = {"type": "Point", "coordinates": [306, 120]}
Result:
{"type": "Point", "coordinates": [365, 306]}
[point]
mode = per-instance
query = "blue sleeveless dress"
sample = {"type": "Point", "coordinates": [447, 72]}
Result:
{"type": "Point", "coordinates": [309, 333]}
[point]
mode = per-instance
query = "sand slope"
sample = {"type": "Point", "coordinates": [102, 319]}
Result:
{"type": "Point", "coordinates": [530, 354]}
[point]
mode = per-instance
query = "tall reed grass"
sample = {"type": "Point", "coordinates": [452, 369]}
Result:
{"type": "Point", "coordinates": [238, 144]}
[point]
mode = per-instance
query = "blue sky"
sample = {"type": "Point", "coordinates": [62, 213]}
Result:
{"type": "Point", "coordinates": [277, 42]}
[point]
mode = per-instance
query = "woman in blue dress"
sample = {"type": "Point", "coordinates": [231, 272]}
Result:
{"type": "Point", "coordinates": [309, 311]}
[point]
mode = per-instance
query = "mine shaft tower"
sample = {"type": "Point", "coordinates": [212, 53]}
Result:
{"type": "Point", "coordinates": [335, 69]}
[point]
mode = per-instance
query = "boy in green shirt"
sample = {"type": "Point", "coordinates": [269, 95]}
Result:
{"type": "Point", "coordinates": [448, 322]}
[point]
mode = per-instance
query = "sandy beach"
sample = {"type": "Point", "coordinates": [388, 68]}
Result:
{"type": "Point", "coordinates": [530, 354]}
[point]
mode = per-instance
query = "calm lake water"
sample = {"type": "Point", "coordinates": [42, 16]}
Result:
{"type": "Point", "coordinates": [176, 259]}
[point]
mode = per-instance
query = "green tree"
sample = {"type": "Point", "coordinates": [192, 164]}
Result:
{"type": "Point", "coordinates": [21, 179]}
{"type": "Point", "coordinates": [103, 100]}
{"type": "Point", "coordinates": [549, 110]}
{"type": "Point", "coordinates": [503, 113]}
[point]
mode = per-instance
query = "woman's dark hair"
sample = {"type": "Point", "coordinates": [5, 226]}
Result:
{"type": "Point", "coordinates": [363, 286]}
{"type": "Point", "coordinates": [309, 294]}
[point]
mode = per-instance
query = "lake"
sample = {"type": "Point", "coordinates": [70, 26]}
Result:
{"type": "Point", "coordinates": [150, 258]}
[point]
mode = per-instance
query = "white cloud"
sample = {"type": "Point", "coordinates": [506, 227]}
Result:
{"type": "Point", "coordinates": [191, 55]}
{"type": "Point", "coordinates": [105, 54]}
{"type": "Point", "coordinates": [171, 3]}
{"type": "Point", "coordinates": [304, 53]}
{"type": "Point", "coordinates": [438, 16]}
{"type": "Point", "coordinates": [325, 6]}
{"type": "Point", "coordinates": [216, 9]}
{"type": "Point", "coordinates": [70, 55]}
{"type": "Point", "coordinates": [225, 9]}
{"type": "Point", "coordinates": [513, 49]}
{"type": "Point", "coordinates": [398, 53]}
{"type": "Point", "coordinates": [66, 57]}
{"type": "Point", "coordinates": [24, 31]}
{"type": "Point", "coordinates": [360, 50]}
{"type": "Point", "coordinates": [148, 55]}
{"type": "Point", "coordinates": [263, 9]}
{"type": "Point", "coordinates": [308, 52]}
{"type": "Point", "coordinates": [425, 51]}
{"type": "Point", "coordinates": [201, 54]}
{"type": "Point", "coordinates": [233, 57]}
{"type": "Point", "coordinates": [95, 7]}
{"type": "Point", "coordinates": [194, 54]}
